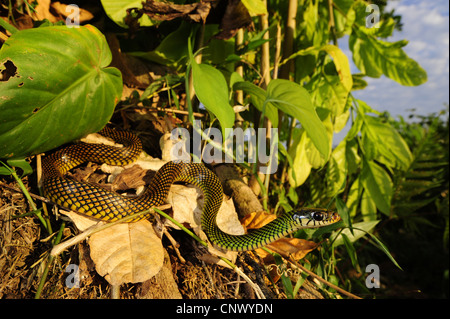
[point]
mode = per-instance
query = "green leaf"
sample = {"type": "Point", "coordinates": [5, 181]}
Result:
{"type": "Point", "coordinates": [378, 185]}
{"type": "Point", "coordinates": [5, 169]}
{"type": "Point", "coordinates": [384, 249]}
{"type": "Point", "coordinates": [257, 97]}
{"type": "Point", "coordinates": [116, 10]}
{"type": "Point", "coordinates": [287, 283]}
{"type": "Point", "coordinates": [375, 57]}
{"type": "Point", "coordinates": [331, 94]}
{"type": "Point", "coordinates": [384, 140]}
{"type": "Point", "coordinates": [368, 207]}
{"type": "Point", "coordinates": [313, 155]}
{"type": "Point", "coordinates": [8, 27]}
{"type": "Point", "coordinates": [295, 101]}
{"type": "Point", "coordinates": [22, 164]}
{"type": "Point", "coordinates": [344, 212]}
{"type": "Point", "coordinates": [61, 89]}
{"type": "Point", "coordinates": [337, 170]}
{"type": "Point", "coordinates": [353, 198]}
{"type": "Point", "coordinates": [212, 91]}
{"type": "Point", "coordinates": [359, 230]}
{"type": "Point", "coordinates": [344, 16]}
{"type": "Point", "coordinates": [340, 61]}
{"type": "Point", "coordinates": [350, 250]}
{"type": "Point", "coordinates": [172, 50]}
{"type": "Point", "coordinates": [358, 82]}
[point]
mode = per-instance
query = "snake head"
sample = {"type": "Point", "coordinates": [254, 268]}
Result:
{"type": "Point", "coordinates": [314, 217]}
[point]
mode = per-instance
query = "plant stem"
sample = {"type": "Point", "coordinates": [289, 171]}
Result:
{"type": "Point", "coordinates": [288, 49]}
{"type": "Point", "coordinates": [289, 34]}
{"type": "Point", "coordinates": [50, 260]}
{"type": "Point", "coordinates": [331, 22]}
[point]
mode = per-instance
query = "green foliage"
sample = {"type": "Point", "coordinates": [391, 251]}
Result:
{"type": "Point", "coordinates": [424, 184]}
{"type": "Point", "coordinates": [383, 170]}
{"type": "Point", "coordinates": [212, 91]}
{"type": "Point", "coordinates": [295, 101]}
{"type": "Point", "coordinates": [60, 88]}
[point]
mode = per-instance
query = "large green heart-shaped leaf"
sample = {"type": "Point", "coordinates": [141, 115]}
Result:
{"type": "Point", "coordinates": [56, 87]}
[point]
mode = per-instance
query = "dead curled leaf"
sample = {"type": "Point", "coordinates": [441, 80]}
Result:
{"type": "Point", "coordinates": [129, 252]}
{"type": "Point", "coordinates": [294, 247]}
{"type": "Point", "coordinates": [196, 12]}
{"type": "Point", "coordinates": [122, 253]}
{"type": "Point", "coordinates": [297, 248]}
{"type": "Point", "coordinates": [257, 220]}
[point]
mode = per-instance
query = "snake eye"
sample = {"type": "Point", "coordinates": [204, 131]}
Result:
{"type": "Point", "coordinates": [317, 216]}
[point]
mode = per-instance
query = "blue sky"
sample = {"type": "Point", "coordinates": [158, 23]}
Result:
{"type": "Point", "coordinates": [426, 27]}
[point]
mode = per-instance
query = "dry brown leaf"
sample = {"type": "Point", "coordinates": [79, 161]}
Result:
{"type": "Point", "coordinates": [61, 8]}
{"type": "Point", "coordinates": [295, 247]}
{"type": "Point", "coordinates": [42, 11]}
{"type": "Point", "coordinates": [235, 17]}
{"type": "Point", "coordinates": [257, 220]}
{"type": "Point", "coordinates": [130, 252]}
{"type": "Point", "coordinates": [187, 202]}
{"type": "Point", "coordinates": [131, 177]}
{"type": "Point", "coordinates": [163, 11]}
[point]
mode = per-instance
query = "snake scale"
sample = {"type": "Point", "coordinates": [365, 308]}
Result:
{"type": "Point", "coordinates": [99, 203]}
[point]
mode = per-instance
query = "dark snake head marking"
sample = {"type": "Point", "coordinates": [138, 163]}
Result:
{"type": "Point", "coordinates": [314, 217]}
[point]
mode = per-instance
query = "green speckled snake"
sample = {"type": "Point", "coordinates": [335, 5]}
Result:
{"type": "Point", "coordinates": [99, 203]}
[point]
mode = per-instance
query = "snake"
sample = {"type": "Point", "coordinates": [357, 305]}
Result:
{"type": "Point", "coordinates": [94, 201]}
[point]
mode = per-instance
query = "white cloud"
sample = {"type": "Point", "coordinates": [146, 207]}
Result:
{"type": "Point", "coordinates": [425, 26]}
{"type": "Point", "coordinates": [433, 18]}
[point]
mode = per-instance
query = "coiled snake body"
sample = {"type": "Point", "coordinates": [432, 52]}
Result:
{"type": "Point", "coordinates": [99, 203]}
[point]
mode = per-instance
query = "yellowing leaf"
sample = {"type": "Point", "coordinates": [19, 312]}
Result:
{"type": "Point", "coordinates": [337, 170]}
{"type": "Point", "coordinates": [301, 167]}
{"type": "Point", "coordinates": [255, 7]}
{"type": "Point", "coordinates": [314, 157]}
{"type": "Point", "coordinates": [342, 65]}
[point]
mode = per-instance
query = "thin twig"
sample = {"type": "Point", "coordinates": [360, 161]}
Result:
{"type": "Point", "coordinates": [329, 284]}
{"type": "Point", "coordinates": [196, 114]}
{"type": "Point", "coordinates": [254, 286]}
